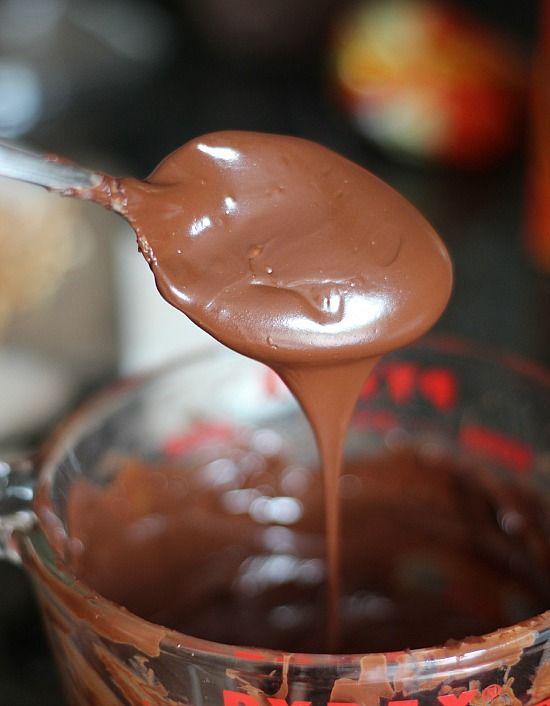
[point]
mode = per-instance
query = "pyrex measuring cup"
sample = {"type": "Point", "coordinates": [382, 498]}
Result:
{"type": "Point", "coordinates": [443, 398]}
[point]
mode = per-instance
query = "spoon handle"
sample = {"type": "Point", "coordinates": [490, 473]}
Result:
{"type": "Point", "coordinates": [44, 171]}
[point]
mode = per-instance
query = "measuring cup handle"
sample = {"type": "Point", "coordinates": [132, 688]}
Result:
{"type": "Point", "coordinates": [17, 483]}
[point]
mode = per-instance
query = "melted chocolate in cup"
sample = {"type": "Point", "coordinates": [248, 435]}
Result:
{"type": "Point", "coordinates": [292, 255]}
{"type": "Point", "coordinates": [423, 557]}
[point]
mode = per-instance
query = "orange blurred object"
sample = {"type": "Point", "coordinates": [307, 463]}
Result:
{"type": "Point", "coordinates": [538, 194]}
{"type": "Point", "coordinates": [428, 81]}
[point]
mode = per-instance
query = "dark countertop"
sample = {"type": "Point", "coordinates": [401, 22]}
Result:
{"type": "Point", "coordinates": [499, 299]}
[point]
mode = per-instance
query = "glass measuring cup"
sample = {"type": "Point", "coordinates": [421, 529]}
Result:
{"type": "Point", "coordinates": [443, 398]}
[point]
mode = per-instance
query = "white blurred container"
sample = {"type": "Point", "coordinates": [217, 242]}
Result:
{"type": "Point", "coordinates": [150, 332]}
{"type": "Point", "coordinates": [56, 312]}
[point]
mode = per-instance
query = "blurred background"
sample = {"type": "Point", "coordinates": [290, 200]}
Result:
{"type": "Point", "coordinates": [448, 102]}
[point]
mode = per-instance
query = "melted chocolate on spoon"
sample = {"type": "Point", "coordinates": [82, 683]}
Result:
{"type": "Point", "coordinates": [292, 255]}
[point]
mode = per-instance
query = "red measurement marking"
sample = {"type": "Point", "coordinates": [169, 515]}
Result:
{"type": "Point", "coordinates": [197, 434]}
{"type": "Point", "coordinates": [401, 380]}
{"type": "Point", "coordinates": [491, 692]}
{"type": "Point", "coordinates": [546, 702]}
{"type": "Point", "coordinates": [501, 448]}
{"type": "Point", "coordinates": [259, 657]}
{"type": "Point", "coordinates": [391, 656]}
{"type": "Point", "coordinates": [462, 699]}
{"type": "Point", "coordinates": [243, 654]}
{"type": "Point", "coordinates": [439, 386]}
{"type": "Point", "coordinates": [235, 698]}
{"type": "Point", "coordinates": [370, 387]}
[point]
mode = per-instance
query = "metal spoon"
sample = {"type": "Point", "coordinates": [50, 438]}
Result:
{"type": "Point", "coordinates": [46, 170]}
